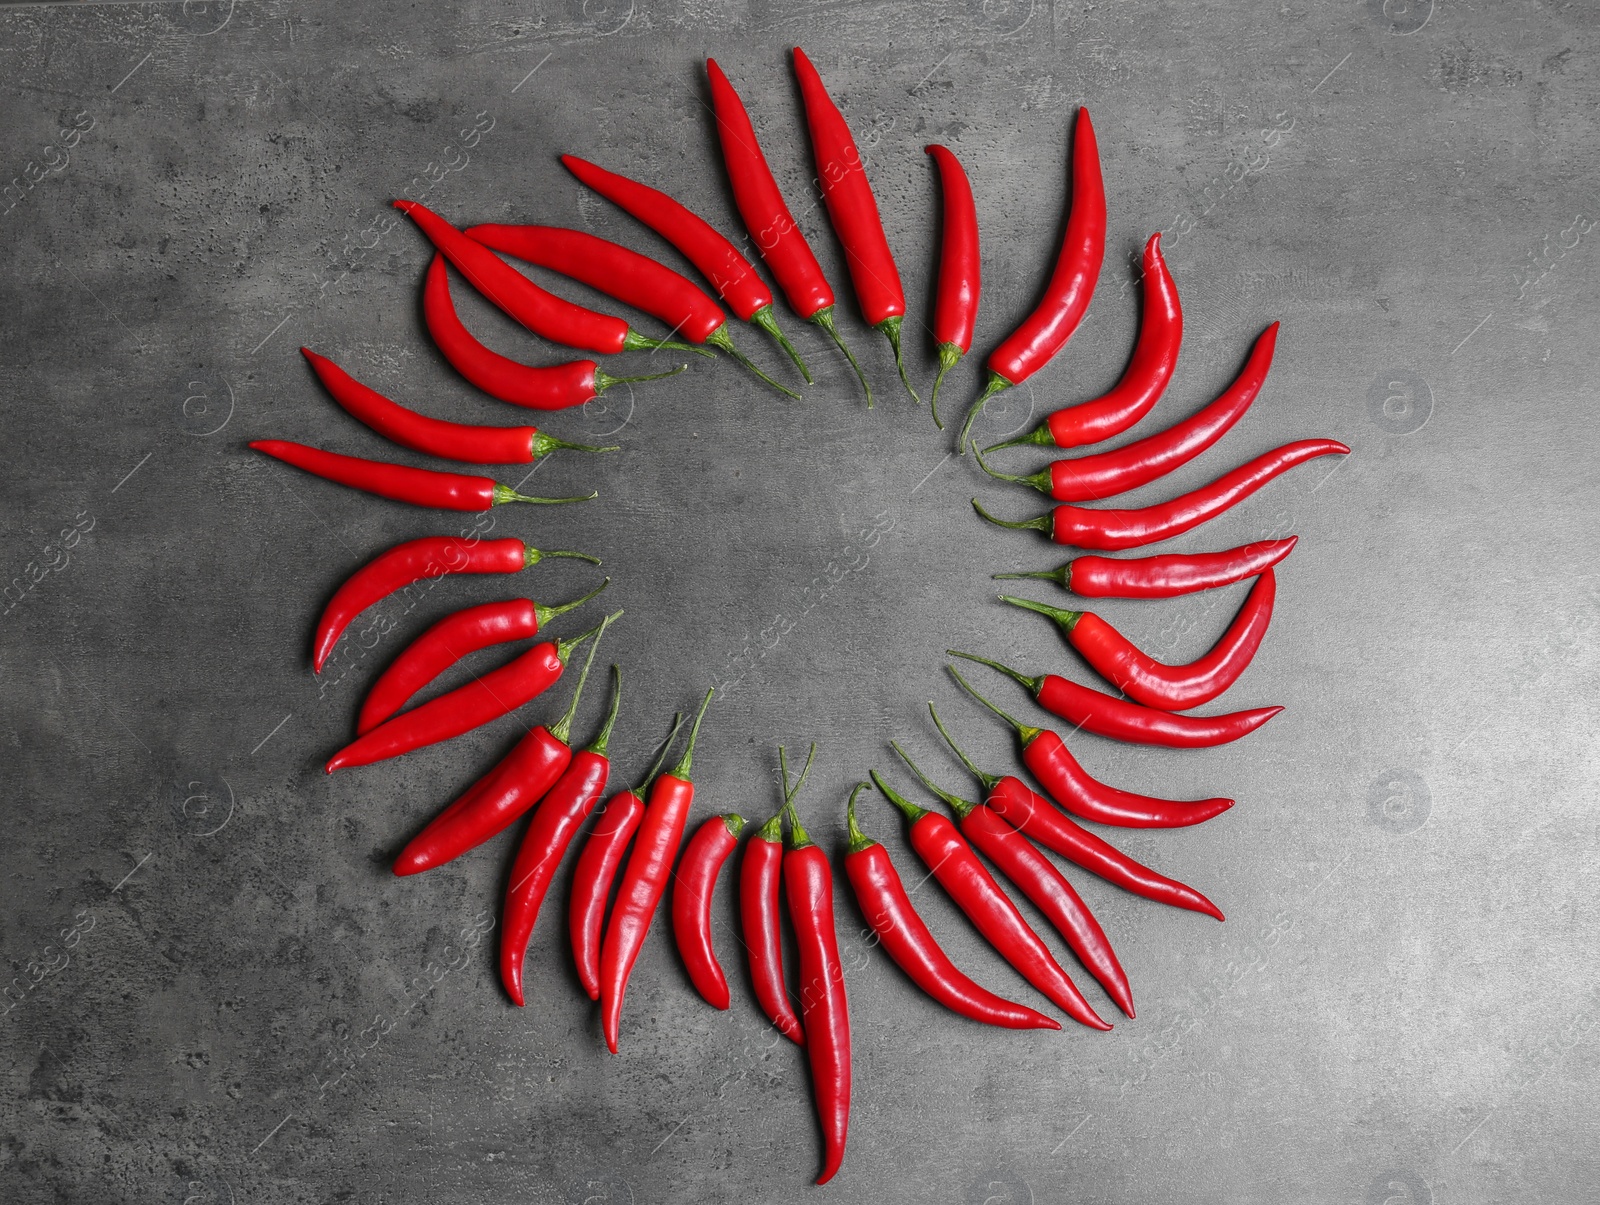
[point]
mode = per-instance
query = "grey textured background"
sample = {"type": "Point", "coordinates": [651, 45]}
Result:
{"type": "Point", "coordinates": [220, 993]}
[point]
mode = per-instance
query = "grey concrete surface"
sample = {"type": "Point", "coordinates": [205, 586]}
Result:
{"type": "Point", "coordinates": [218, 993]}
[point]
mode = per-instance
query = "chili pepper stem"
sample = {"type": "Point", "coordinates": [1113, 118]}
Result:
{"type": "Point", "coordinates": [994, 385]}
{"type": "Point", "coordinates": [634, 341]}
{"type": "Point", "coordinates": [1041, 523]}
{"type": "Point", "coordinates": [957, 804]}
{"type": "Point", "coordinates": [1067, 619]}
{"type": "Point", "coordinates": [1061, 576]}
{"type": "Point", "coordinates": [545, 614]}
{"type": "Point", "coordinates": [720, 338]}
{"type": "Point", "coordinates": [1039, 437]}
{"type": "Point", "coordinates": [1040, 481]}
{"type": "Point", "coordinates": [602, 741]}
{"type": "Point", "coordinates": [949, 356]}
{"type": "Point", "coordinates": [504, 494]}
{"type": "Point", "coordinates": [858, 840]}
{"type": "Point", "coordinates": [562, 729]}
{"type": "Point", "coordinates": [907, 809]}
{"type": "Point", "coordinates": [533, 556]}
{"type": "Point", "coordinates": [1025, 732]}
{"type": "Point", "coordinates": [661, 756]}
{"type": "Point", "coordinates": [890, 326]}
{"type": "Point", "coordinates": [766, 321]}
{"type": "Point", "coordinates": [544, 444]}
{"type": "Point", "coordinates": [1022, 679]}
{"type": "Point", "coordinates": [824, 319]}
{"type": "Point", "coordinates": [604, 380]}
{"type": "Point", "coordinates": [681, 770]}
{"type": "Point", "coordinates": [988, 780]}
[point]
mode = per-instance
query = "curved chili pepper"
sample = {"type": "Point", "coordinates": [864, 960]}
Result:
{"type": "Point", "coordinates": [853, 210]}
{"type": "Point", "coordinates": [1123, 721]}
{"type": "Point", "coordinates": [448, 641]}
{"type": "Point", "coordinates": [1038, 879]}
{"type": "Point", "coordinates": [543, 313]}
{"type": "Point", "coordinates": [960, 270]}
{"type": "Point", "coordinates": [523, 778]}
{"type": "Point", "coordinates": [495, 694]}
{"type": "Point", "coordinates": [554, 388]}
{"type": "Point", "coordinates": [561, 814]}
{"type": "Point", "coordinates": [1141, 462]}
{"type": "Point", "coordinates": [696, 879]}
{"type": "Point", "coordinates": [1143, 382]}
{"type": "Point", "coordinates": [1111, 530]}
{"type": "Point", "coordinates": [760, 879]}
{"type": "Point", "coordinates": [1071, 786]}
{"type": "Point", "coordinates": [884, 902]}
{"type": "Point", "coordinates": [730, 273]}
{"type": "Point", "coordinates": [1155, 683]}
{"type": "Point", "coordinates": [625, 276]}
{"type": "Point", "coordinates": [435, 436]}
{"type": "Point", "coordinates": [766, 215]}
{"type": "Point", "coordinates": [408, 563]}
{"type": "Point", "coordinates": [399, 482]}
{"type": "Point", "coordinates": [643, 881]}
{"type": "Point", "coordinates": [1045, 331]}
{"type": "Point", "coordinates": [597, 867]}
{"type": "Point", "coordinates": [975, 892]}
{"type": "Point", "coordinates": [1161, 576]}
{"type": "Point", "coordinates": [808, 890]}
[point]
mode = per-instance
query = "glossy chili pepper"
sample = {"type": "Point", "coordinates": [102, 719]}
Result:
{"type": "Point", "coordinates": [1071, 786]}
{"type": "Point", "coordinates": [1120, 720]}
{"type": "Point", "coordinates": [1161, 576]}
{"type": "Point", "coordinates": [625, 276]}
{"type": "Point", "coordinates": [975, 892]}
{"type": "Point", "coordinates": [696, 879]}
{"type": "Point", "coordinates": [1111, 530]}
{"type": "Point", "coordinates": [808, 890]}
{"type": "Point", "coordinates": [766, 215]}
{"type": "Point", "coordinates": [399, 482]}
{"type": "Point", "coordinates": [955, 309]}
{"type": "Point", "coordinates": [496, 693]}
{"type": "Point", "coordinates": [760, 893]}
{"type": "Point", "coordinates": [1155, 683]}
{"type": "Point", "coordinates": [541, 312]}
{"type": "Point", "coordinates": [643, 881]}
{"type": "Point", "coordinates": [411, 562]}
{"type": "Point", "coordinates": [1141, 462]}
{"type": "Point", "coordinates": [1038, 879]}
{"type": "Point", "coordinates": [1143, 382]}
{"type": "Point", "coordinates": [521, 780]}
{"type": "Point", "coordinates": [554, 388]}
{"type": "Point", "coordinates": [1045, 331]}
{"type": "Point", "coordinates": [448, 641]}
{"type": "Point", "coordinates": [435, 436]}
{"type": "Point", "coordinates": [730, 273]}
{"type": "Point", "coordinates": [560, 815]}
{"type": "Point", "coordinates": [902, 933]}
{"type": "Point", "coordinates": [853, 210]}
{"type": "Point", "coordinates": [597, 867]}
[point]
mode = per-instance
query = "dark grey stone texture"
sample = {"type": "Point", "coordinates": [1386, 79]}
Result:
{"type": "Point", "coordinates": [220, 993]}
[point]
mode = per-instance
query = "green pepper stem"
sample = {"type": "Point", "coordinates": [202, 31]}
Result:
{"type": "Point", "coordinates": [824, 319]}
{"type": "Point", "coordinates": [1040, 437]}
{"type": "Point", "coordinates": [988, 780]}
{"type": "Point", "coordinates": [562, 730]}
{"type": "Point", "coordinates": [1062, 576]}
{"type": "Point", "coordinates": [890, 326]}
{"type": "Point", "coordinates": [634, 341]}
{"type": "Point", "coordinates": [720, 338]}
{"type": "Point", "coordinates": [994, 385]}
{"type": "Point", "coordinates": [661, 756]}
{"type": "Point", "coordinates": [957, 804]}
{"type": "Point", "coordinates": [763, 318]}
{"type": "Point", "coordinates": [1033, 684]}
{"type": "Point", "coordinates": [949, 356]}
{"type": "Point", "coordinates": [532, 556]}
{"type": "Point", "coordinates": [1025, 732]}
{"type": "Point", "coordinates": [858, 840]}
{"type": "Point", "coordinates": [734, 821]}
{"type": "Point", "coordinates": [907, 809]}
{"type": "Point", "coordinates": [545, 614]}
{"type": "Point", "coordinates": [789, 792]}
{"type": "Point", "coordinates": [1039, 523]}
{"type": "Point", "coordinates": [681, 770]}
{"type": "Point", "coordinates": [1040, 481]}
{"type": "Point", "coordinates": [604, 380]}
{"type": "Point", "coordinates": [1067, 619]}
{"type": "Point", "coordinates": [798, 838]}
{"type": "Point", "coordinates": [504, 494]}
{"type": "Point", "coordinates": [544, 444]}
{"type": "Point", "coordinates": [602, 741]}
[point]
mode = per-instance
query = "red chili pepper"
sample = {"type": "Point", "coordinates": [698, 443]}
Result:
{"type": "Point", "coordinates": [1143, 382]}
{"type": "Point", "coordinates": [643, 881]}
{"type": "Point", "coordinates": [767, 216]}
{"type": "Point", "coordinates": [561, 814]}
{"type": "Point", "coordinates": [435, 436]}
{"type": "Point", "coordinates": [760, 877]}
{"type": "Point", "coordinates": [1038, 879]}
{"type": "Point", "coordinates": [975, 892]}
{"type": "Point", "coordinates": [1141, 462]}
{"type": "Point", "coordinates": [1123, 721]}
{"type": "Point", "coordinates": [1071, 786]}
{"type": "Point", "coordinates": [494, 802]}
{"type": "Point", "coordinates": [1111, 530]}
{"type": "Point", "coordinates": [853, 210]}
{"type": "Point", "coordinates": [408, 563]}
{"type": "Point", "coordinates": [496, 693]}
{"type": "Point", "coordinates": [448, 641]}
{"type": "Point", "coordinates": [1155, 683]}
{"type": "Point", "coordinates": [960, 270]}
{"type": "Point", "coordinates": [808, 890]}
{"type": "Point", "coordinates": [597, 867]}
{"type": "Point", "coordinates": [399, 482]}
{"type": "Point", "coordinates": [625, 276]}
{"type": "Point", "coordinates": [1162, 576]}
{"type": "Point", "coordinates": [554, 388]}
{"type": "Point", "coordinates": [884, 902]}
{"type": "Point", "coordinates": [696, 879]}
{"type": "Point", "coordinates": [1045, 331]}
{"type": "Point", "coordinates": [543, 313]}
{"type": "Point", "coordinates": [730, 273]}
